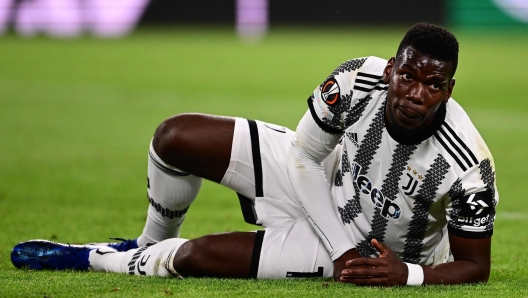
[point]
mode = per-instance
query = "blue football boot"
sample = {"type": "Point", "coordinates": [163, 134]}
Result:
{"type": "Point", "coordinates": [48, 255]}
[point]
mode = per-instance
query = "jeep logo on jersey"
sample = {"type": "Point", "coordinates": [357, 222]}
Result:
{"type": "Point", "coordinates": [362, 182]}
{"type": "Point", "coordinates": [330, 92]}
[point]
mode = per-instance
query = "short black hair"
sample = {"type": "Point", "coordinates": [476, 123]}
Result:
{"type": "Point", "coordinates": [433, 41]}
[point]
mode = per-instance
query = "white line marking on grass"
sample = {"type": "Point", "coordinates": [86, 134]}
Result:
{"type": "Point", "coordinates": [501, 120]}
{"type": "Point", "coordinates": [512, 216]}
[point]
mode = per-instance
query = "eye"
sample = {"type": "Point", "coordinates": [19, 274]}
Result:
{"type": "Point", "coordinates": [436, 86]}
{"type": "Point", "coordinates": [407, 77]}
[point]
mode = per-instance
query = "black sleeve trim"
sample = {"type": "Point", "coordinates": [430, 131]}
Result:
{"type": "Point", "coordinates": [470, 235]}
{"type": "Point", "coordinates": [321, 124]}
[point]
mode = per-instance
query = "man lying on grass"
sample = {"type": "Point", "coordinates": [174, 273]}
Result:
{"type": "Point", "coordinates": [385, 182]}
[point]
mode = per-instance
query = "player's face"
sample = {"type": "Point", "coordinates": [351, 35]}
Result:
{"type": "Point", "coordinates": [417, 87]}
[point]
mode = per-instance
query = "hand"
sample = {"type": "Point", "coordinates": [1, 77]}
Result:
{"type": "Point", "coordinates": [387, 270]}
{"type": "Point", "coordinates": [340, 263]}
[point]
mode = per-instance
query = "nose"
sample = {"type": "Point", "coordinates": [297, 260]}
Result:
{"type": "Point", "coordinates": [415, 93]}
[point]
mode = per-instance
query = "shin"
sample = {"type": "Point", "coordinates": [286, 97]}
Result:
{"type": "Point", "coordinates": [170, 193]}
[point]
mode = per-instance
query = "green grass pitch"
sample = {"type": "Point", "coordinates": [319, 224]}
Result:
{"type": "Point", "coordinates": [76, 118]}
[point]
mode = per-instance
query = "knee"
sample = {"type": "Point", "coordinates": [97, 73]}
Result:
{"type": "Point", "coordinates": [190, 258]}
{"type": "Point", "coordinates": [171, 135]}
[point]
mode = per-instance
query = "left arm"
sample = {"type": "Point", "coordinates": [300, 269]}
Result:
{"type": "Point", "coordinates": [310, 147]}
{"type": "Point", "coordinates": [470, 243]}
{"type": "Point", "coordinates": [471, 265]}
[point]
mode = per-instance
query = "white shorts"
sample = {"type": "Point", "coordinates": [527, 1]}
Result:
{"type": "Point", "coordinates": [257, 172]}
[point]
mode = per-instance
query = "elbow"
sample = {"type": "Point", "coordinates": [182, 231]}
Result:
{"type": "Point", "coordinates": [484, 275]}
{"type": "Point", "coordinates": [484, 271]}
{"type": "Point", "coordinates": [481, 274]}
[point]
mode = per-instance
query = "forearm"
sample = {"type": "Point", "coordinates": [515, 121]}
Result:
{"type": "Point", "coordinates": [472, 263]}
{"type": "Point", "coordinates": [456, 272]}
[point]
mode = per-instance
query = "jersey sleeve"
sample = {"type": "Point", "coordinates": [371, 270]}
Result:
{"type": "Point", "coordinates": [471, 213]}
{"type": "Point", "coordinates": [473, 195]}
{"type": "Point", "coordinates": [304, 164]}
{"type": "Point", "coordinates": [316, 136]}
{"type": "Point", "coordinates": [331, 101]}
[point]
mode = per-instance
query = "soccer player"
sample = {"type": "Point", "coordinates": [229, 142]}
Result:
{"type": "Point", "coordinates": [385, 182]}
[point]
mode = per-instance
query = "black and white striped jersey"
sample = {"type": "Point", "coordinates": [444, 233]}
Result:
{"type": "Point", "coordinates": [407, 193]}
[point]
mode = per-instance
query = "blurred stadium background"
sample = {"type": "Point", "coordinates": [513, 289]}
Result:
{"type": "Point", "coordinates": [84, 83]}
{"type": "Point", "coordinates": [66, 18]}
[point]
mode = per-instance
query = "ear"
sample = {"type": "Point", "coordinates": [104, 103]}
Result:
{"type": "Point", "coordinates": [387, 71]}
{"type": "Point", "coordinates": [450, 87]}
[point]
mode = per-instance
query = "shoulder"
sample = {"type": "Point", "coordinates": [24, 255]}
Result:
{"type": "Point", "coordinates": [459, 141]}
{"type": "Point", "coordinates": [358, 77]}
{"type": "Point", "coordinates": [459, 127]}
{"type": "Point", "coordinates": [373, 65]}
{"type": "Point", "coordinates": [340, 100]}
{"type": "Point", "coordinates": [362, 75]}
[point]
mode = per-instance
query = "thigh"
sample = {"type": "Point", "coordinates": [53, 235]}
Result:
{"type": "Point", "coordinates": [293, 250]}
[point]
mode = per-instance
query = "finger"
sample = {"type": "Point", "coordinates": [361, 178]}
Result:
{"type": "Point", "coordinates": [363, 272]}
{"type": "Point", "coordinates": [380, 247]}
{"type": "Point", "coordinates": [365, 262]}
{"type": "Point", "coordinates": [373, 281]}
